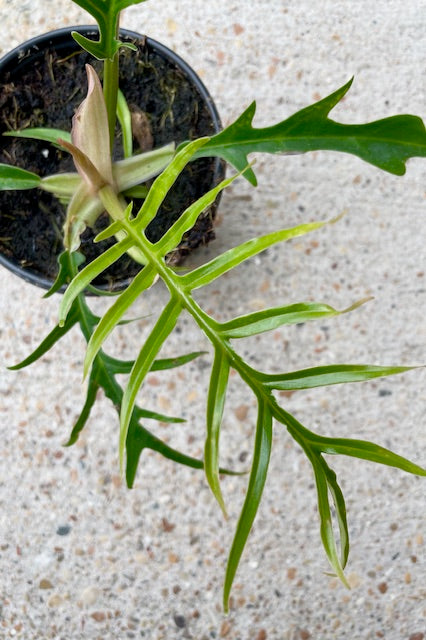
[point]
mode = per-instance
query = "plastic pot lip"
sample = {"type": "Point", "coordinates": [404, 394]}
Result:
{"type": "Point", "coordinates": [54, 39]}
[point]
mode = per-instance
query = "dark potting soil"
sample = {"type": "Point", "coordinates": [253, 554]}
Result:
{"type": "Point", "coordinates": [47, 92]}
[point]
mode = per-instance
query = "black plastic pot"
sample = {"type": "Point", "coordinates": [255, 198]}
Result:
{"type": "Point", "coordinates": [35, 217]}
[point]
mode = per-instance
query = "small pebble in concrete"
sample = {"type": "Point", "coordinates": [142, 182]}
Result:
{"type": "Point", "coordinates": [63, 530]}
{"type": "Point", "coordinates": [180, 621]}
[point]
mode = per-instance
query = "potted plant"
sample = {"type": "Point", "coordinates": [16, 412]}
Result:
{"type": "Point", "coordinates": [49, 70]}
{"type": "Point", "coordinates": [102, 183]}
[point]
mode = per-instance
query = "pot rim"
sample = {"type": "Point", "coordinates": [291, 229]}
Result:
{"type": "Point", "coordinates": [63, 35]}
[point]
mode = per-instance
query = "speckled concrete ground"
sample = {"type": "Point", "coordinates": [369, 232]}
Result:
{"type": "Point", "coordinates": [83, 558]}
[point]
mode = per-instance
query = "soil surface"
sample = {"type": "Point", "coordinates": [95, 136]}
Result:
{"type": "Point", "coordinates": [44, 90]}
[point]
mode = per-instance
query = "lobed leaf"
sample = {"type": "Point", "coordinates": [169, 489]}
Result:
{"type": "Point", "coordinates": [154, 415]}
{"type": "Point", "coordinates": [386, 143]}
{"type": "Point", "coordinates": [340, 506]}
{"type": "Point", "coordinates": [67, 264]}
{"type": "Point", "coordinates": [110, 231]}
{"type": "Point", "coordinates": [171, 363]}
{"type": "Point", "coordinates": [139, 438]}
{"type": "Point", "coordinates": [106, 14]}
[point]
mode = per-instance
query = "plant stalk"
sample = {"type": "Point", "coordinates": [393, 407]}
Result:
{"type": "Point", "coordinates": [110, 87]}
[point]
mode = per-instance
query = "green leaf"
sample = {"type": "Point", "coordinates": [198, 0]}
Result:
{"type": "Point", "coordinates": [326, 375]}
{"type": "Point", "coordinates": [142, 281]}
{"type": "Point", "coordinates": [215, 405]}
{"type": "Point", "coordinates": [109, 232]}
{"type": "Point", "coordinates": [125, 366]}
{"type": "Point", "coordinates": [171, 363]}
{"type": "Point", "coordinates": [229, 259]}
{"type": "Point", "coordinates": [139, 192]}
{"type": "Point", "coordinates": [56, 334]}
{"type": "Point", "coordinates": [142, 365]}
{"type": "Point", "coordinates": [385, 143]}
{"type": "Point", "coordinates": [139, 439]}
{"type": "Point", "coordinates": [106, 14]}
{"type": "Point", "coordinates": [12, 178]}
{"type": "Point", "coordinates": [125, 119]}
{"type": "Point", "coordinates": [44, 134]}
{"type": "Point", "coordinates": [141, 167]}
{"type": "Point", "coordinates": [367, 451]}
{"type": "Point", "coordinates": [89, 273]}
{"type": "Point", "coordinates": [83, 210]}
{"type": "Point", "coordinates": [259, 469]}
{"type": "Point", "coordinates": [67, 264]}
{"type": "Point", "coordinates": [322, 474]}
{"type": "Point", "coordinates": [340, 506]}
{"type": "Point", "coordinates": [164, 182]}
{"type": "Point", "coordinates": [62, 185]}
{"type": "Point", "coordinates": [269, 319]}
{"type": "Point", "coordinates": [154, 415]}
{"type": "Point", "coordinates": [92, 390]}
{"type": "Point", "coordinates": [187, 220]}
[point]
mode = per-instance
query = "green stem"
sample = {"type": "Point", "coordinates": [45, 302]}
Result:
{"type": "Point", "coordinates": [110, 87]}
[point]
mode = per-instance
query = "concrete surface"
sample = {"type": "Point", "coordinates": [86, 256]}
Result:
{"type": "Point", "coordinates": [83, 558]}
